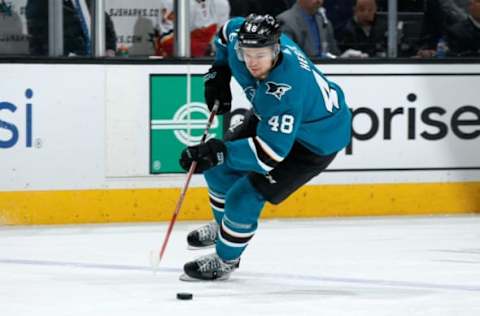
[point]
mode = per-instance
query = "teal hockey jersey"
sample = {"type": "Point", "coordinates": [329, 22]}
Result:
{"type": "Point", "coordinates": [295, 103]}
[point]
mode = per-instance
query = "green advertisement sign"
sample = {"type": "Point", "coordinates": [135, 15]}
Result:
{"type": "Point", "coordinates": [176, 121]}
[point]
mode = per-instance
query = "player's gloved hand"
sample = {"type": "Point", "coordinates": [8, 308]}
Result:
{"type": "Point", "coordinates": [207, 155]}
{"type": "Point", "coordinates": [217, 88]}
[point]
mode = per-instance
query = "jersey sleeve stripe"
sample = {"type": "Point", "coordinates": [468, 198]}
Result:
{"type": "Point", "coordinates": [269, 151]}
{"type": "Point", "coordinates": [219, 41]}
{"type": "Point", "coordinates": [264, 166]}
{"type": "Point", "coordinates": [224, 33]}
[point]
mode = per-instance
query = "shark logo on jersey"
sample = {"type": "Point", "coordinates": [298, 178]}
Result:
{"type": "Point", "coordinates": [250, 93]}
{"type": "Point", "coordinates": [277, 89]}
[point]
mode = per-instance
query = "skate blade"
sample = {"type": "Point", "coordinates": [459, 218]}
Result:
{"type": "Point", "coordinates": [185, 278]}
{"type": "Point", "coordinates": [200, 248]}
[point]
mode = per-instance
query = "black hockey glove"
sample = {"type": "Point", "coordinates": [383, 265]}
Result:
{"type": "Point", "coordinates": [207, 155]}
{"type": "Point", "coordinates": [217, 88]}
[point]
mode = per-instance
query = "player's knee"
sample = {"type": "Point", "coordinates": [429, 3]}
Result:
{"type": "Point", "coordinates": [272, 196]}
{"type": "Point", "coordinates": [276, 197]}
{"type": "Point", "coordinates": [273, 193]}
{"type": "Point", "coordinates": [244, 203]}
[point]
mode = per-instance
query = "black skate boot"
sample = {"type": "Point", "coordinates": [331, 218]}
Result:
{"type": "Point", "coordinates": [209, 268]}
{"type": "Point", "coordinates": [203, 237]}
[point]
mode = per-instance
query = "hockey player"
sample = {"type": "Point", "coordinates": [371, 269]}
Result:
{"type": "Point", "coordinates": [299, 121]}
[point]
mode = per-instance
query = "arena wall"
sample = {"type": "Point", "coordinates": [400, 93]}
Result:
{"type": "Point", "coordinates": [81, 143]}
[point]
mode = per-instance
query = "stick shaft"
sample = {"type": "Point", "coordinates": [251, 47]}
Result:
{"type": "Point", "coordinates": [185, 186]}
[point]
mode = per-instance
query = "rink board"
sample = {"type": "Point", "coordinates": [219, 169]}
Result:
{"type": "Point", "coordinates": [144, 205]}
{"type": "Point", "coordinates": [80, 151]}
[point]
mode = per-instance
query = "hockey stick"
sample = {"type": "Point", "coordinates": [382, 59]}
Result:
{"type": "Point", "coordinates": [156, 259]}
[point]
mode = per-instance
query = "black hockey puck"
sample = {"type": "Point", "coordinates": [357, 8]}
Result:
{"type": "Point", "coordinates": [184, 296]}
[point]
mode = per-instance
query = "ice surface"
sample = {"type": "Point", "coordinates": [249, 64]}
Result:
{"type": "Point", "coordinates": [347, 266]}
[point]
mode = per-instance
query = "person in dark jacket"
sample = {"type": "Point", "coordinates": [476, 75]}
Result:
{"type": "Point", "coordinates": [307, 24]}
{"type": "Point", "coordinates": [75, 39]}
{"type": "Point", "coordinates": [463, 38]}
{"type": "Point", "coordinates": [439, 16]}
{"type": "Point", "coordinates": [363, 32]}
{"type": "Point", "coordinates": [272, 7]}
{"type": "Point", "coordinates": [339, 12]}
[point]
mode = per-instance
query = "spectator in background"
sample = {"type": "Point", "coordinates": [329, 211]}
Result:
{"type": "Point", "coordinates": [339, 12]}
{"type": "Point", "coordinates": [363, 32]}
{"type": "Point", "coordinates": [439, 15]}
{"type": "Point", "coordinates": [404, 5]}
{"type": "Point", "coordinates": [13, 40]}
{"type": "Point", "coordinates": [307, 24]}
{"type": "Point", "coordinates": [272, 7]}
{"type": "Point", "coordinates": [463, 38]}
{"type": "Point", "coordinates": [239, 7]}
{"type": "Point", "coordinates": [76, 28]}
{"type": "Point", "coordinates": [206, 16]}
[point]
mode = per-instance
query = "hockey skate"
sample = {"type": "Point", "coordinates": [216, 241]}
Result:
{"type": "Point", "coordinates": [209, 268]}
{"type": "Point", "coordinates": [203, 237]}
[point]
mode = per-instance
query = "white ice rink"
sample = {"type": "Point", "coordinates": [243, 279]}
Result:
{"type": "Point", "coordinates": [347, 266]}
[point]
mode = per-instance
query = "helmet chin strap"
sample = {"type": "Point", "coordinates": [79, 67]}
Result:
{"type": "Point", "coordinates": [276, 52]}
